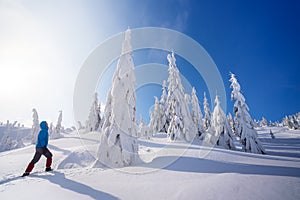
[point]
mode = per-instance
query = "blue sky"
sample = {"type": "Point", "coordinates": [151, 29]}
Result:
{"type": "Point", "coordinates": [44, 44]}
{"type": "Point", "coordinates": [257, 40]}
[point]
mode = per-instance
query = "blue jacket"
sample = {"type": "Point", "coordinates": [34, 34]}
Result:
{"type": "Point", "coordinates": [42, 140]}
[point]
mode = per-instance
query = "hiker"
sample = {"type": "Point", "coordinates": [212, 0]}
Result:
{"type": "Point", "coordinates": [41, 149]}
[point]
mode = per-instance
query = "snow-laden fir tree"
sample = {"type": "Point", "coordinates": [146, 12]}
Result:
{"type": "Point", "coordinates": [177, 109]}
{"type": "Point", "coordinates": [272, 123]}
{"type": "Point", "coordinates": [243, 123]}
{"type": "Point", "coordinates": [107, 112]}
{"type": "Point", "coordinates": [94, 119]}
{"type": "Point", "coordinates": [118, 144]}
{"type": "Point", "coordinates": [196, 113]}
{"type": "Point", "coordinates": [207, 113]}
{"type": "Point", "coordinates": [163, 98]}
{"type": "Point", "coordinates": [175, 127]}
{"type": "Point", "coordinates": [293, 122]}
{"type": "Point", "coordinates": [59, 121]}
{"type": "Point", "coordinates": [256, 123]}
{"type": "Point", "coordinates": [163, 101]}
{"type": "Point", "coordinates": [35, 126]}
{"type": "Point", "coordinates": [144, 130]}
{"type": "Point", "coordinates": [220, 132]}
{"type": "Point", "coordinates": [285, 121]}
{"type": "Point", "coordinates": [7, 142]}
{"type": "Point", "coordinates": [263, 122]}
{"type": "Point", "coordinates": [51, 129]}
{"type": "Point", "coordinates": [80, 127]}
{"type": "Point", "coordinates": [230, 121]}
{"type": "Point", "coordinates": [156, 117]}
{"type": "Point", "coordinates": [55, 133]}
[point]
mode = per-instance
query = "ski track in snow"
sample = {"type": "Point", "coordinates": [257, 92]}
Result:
{"type": "Point", "coordinates": [221, 174]}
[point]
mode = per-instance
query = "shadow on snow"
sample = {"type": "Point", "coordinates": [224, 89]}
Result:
{"type": "Point", "coordinates": [59, 179]}
{"type": "Point", "coordinates": [210, 166]}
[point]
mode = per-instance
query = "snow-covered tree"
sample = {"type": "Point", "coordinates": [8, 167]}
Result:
{"type": "Point", "coordinates": [196, 113]}
{"type": "Point", "coordinates": [157, 117]}
{"type": "Point", "coordinates": [175, 127]}
{"type": "Point", "coordinates": [118, 144]}
{"type": "Point", "coordinates": [263, 122]}
{"type": "Point", "coordinates": [94, 119]}
{"type": "Point", "coordinates": [297, 116]}
{"type": "Point", "coordinates": [256, 123]}
{"type": "Point", "coordinates": [285, 121]}
{"type": "Point", "coordinates": [220, 132]}
{"type": "Point", "coordinates": [243, 122]}
{"type": "Point", "coordinates": [107, 112]}
{"type": "Point", "coordinates": [230, 121]}
{"type": "Point", "coordinates": [35, 126]}
{"type": "Point", "coordinates": [293, 122]}
{"type": "Point", "coordinates": [14, 124]}
{"type": "Point", "coordinates": [51, 129]}
{"type": "Point", "coordinates": [162, 105]}
{"type": "Point", "coordinates": [207, 113]}
{"type": "Point", "coordinates": [7, 141]}
{"type": "Point", "coordinates": [55, 133]}
{"type": "Point", "coordinates": [59, 121]}
{"type": "Point", "coordinates": [177, 109]}
{"type": "Point", "coordinates": [163, 98]}
{"type": "Point", "coordinates": [144, 130]}
{"type": "Point", "coordinates": [80, 127]}
{"type": "Point", "coordinates": [272, 123]}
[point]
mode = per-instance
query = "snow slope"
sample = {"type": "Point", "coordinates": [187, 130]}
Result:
{"type": "Point", "coordinates": [170, 171]}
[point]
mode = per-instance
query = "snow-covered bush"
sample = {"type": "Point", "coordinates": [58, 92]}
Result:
{"type": "Point", "coordinates": [243, 123]}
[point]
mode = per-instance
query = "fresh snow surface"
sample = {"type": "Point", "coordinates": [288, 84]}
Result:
{"type": "Point", "coordinates": [170, 170]}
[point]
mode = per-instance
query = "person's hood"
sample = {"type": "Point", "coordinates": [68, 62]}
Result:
{"type": "Point", "coordinates": [43, 125]}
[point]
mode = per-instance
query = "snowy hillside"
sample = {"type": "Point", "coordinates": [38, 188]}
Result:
{"type": "Point", "coordinates": [170, 170]}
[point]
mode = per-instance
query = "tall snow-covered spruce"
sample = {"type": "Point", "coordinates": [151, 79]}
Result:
{"type": "Point", "coordinates": [35, 126]}
{"type": "Point", "coordinates": [157, 117]}
{"type": "Point", "coordinates": [59, 122]}
{"type": "Point", "coordinates": [94, 119]}
{"type": "Point", "coordinates": [196, 113]}
{"type": "Point", "coordinates": [220, 131]}
{"type": "Point", "coordinates": [181, 124]}
{"type": "Point", "coordinates": [243, 123]}
{"type": "Point", "coordinates": [163, 101]}
{"type": "Point", "coordinates": [207, 113]}
{"type": "Point", "coordinates": [118, 144]}
{"type": "Point", "coordinates": [55, 133]}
